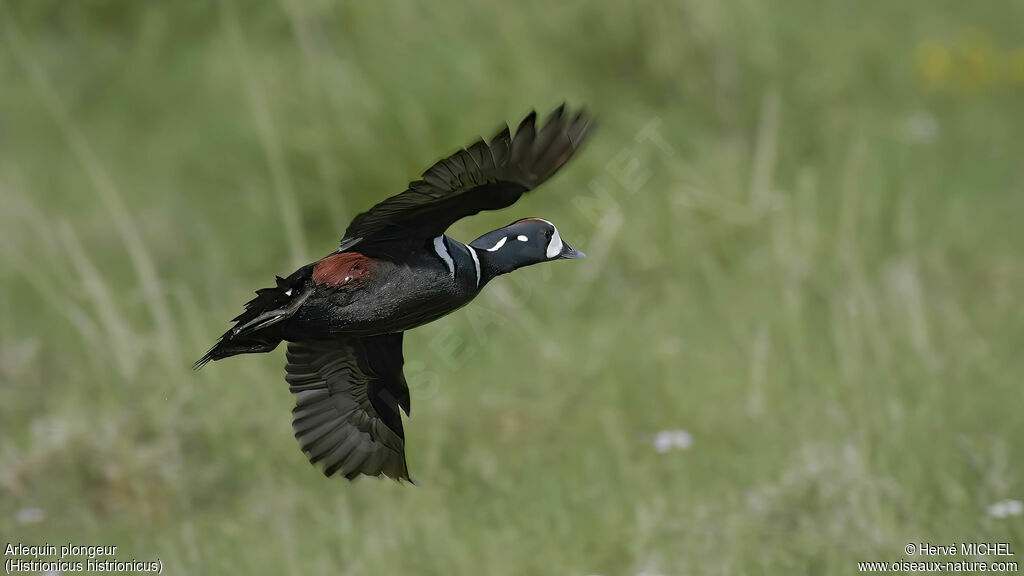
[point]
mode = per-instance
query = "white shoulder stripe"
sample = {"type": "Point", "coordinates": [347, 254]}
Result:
{"type": "Point", "coordinates": [442, 251]}
{"type": "Point", "coordinates": [476, 263]}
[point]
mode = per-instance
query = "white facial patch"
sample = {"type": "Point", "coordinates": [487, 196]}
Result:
{"type": "Point", "coordinates": [498, 245]}
{"type": "Point", "coordinates": [555, 244]}
{"type": "Point", "coordinates": [522, 238]}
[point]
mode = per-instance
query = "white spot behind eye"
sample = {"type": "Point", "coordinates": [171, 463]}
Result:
{"type": "Point", "coordinates": [555, 244]}
{"type": "Point", "coordinates": [288, 292]}
{"type": "Point", "coordinates": [522, 238]}
{"type": "Point", "coordinates": [498, 245]}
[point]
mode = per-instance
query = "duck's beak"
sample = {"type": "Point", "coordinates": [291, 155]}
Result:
{"type": "Point", "coordinates": [570, 252]}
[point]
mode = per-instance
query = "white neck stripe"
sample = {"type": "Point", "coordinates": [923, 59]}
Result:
{"type": "Point", "coordinates": [442, 251]}
{"type": "Point", "coordinates": [476, 263]}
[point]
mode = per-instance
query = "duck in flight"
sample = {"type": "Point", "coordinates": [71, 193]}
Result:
{"type": "Point", "coordinates": [343, 316]}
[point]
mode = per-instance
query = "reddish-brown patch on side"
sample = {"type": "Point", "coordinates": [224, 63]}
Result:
{"type": "Point", "coordinates": [532, 220]}
{"type": "Point", "coordinates": [341, 269]}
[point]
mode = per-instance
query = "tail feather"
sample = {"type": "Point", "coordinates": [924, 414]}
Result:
{"type": "Point", "coordinates": [251, 334]}
{"type": "Point", "coordinates": [228, 346]}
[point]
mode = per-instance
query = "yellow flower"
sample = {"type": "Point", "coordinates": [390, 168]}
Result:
{"type": "Point", "coordinates": [979, 62]}
{"type": "Point", "coordinates": [933, 63]}
{"type": "Point", "coordinates": [1015, 65]}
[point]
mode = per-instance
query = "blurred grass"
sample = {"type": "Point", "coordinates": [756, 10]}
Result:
{"type": "Point", "coordinates": [816, 274]}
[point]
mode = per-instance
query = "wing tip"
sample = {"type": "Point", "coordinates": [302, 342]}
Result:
{"type": "Point", "coordinates": [356, 476]}
{"type": "Point", "coordinates": [529, 121]}
{"type": "Point", "coordinates": [399, 476]}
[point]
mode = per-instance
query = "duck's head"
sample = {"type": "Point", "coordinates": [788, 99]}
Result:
{"type": "Point", "coordinates": [521, 243]}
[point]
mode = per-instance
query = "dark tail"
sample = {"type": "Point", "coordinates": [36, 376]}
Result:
{"type": "Point", "coordinates": [256, 329]}
{"type": "Point", "coordinates": [228, 346]}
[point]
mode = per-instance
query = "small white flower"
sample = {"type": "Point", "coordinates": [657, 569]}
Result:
{"type": "Point", "coordinates": [1006, 508]}
{"type": "Point", "coordinates": [921, 127]}
{"type": "Point", "coordinates": [30, 516]}
{"type": "Point", "coordinates": [672, 439]}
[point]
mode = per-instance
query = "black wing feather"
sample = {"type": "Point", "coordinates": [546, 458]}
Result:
{"type": "Point", "coordinates": [484, 176]}
{"type": "Point", "coordinates": [347, 398]}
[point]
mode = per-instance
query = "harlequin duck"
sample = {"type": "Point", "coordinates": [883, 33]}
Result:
{"type": "Point", "coordinates": [343, 316]}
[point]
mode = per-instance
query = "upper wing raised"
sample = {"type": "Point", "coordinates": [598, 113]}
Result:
{"type": "Point", "coordinates": [347, 398]}
{"type": "Point", "coordinates": [484, 176]}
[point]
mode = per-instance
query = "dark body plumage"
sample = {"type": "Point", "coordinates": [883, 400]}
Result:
{"type": "Point", "coordinates": [343, 315]}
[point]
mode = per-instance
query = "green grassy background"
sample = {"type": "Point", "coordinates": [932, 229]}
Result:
{"type": "Point", "coordinates": [815, 269]}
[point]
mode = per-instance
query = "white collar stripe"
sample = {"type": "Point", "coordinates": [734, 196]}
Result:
{"type": "Point", "coordinates": [442, 250]}
{"type": "Point", "coordinates": [476, 263]}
